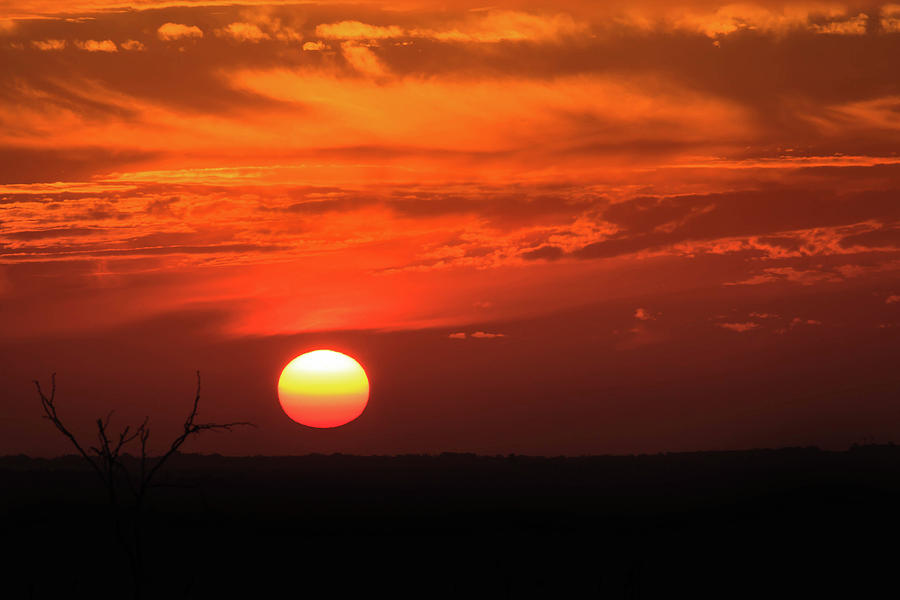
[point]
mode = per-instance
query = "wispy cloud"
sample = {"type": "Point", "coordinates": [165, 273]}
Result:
{"type": "Point", "coordinates": [362, 59]}
{"type": "Point", "coordinates": [484, 335]}
{"type": "Point", "coordinates": [356, 30]}
{"type": "Point", "coordinates": [489, 26]}
{"type": "Point", "coordinates": [739, 327]}
{"type": "Point", "coordinates": [478, 335]}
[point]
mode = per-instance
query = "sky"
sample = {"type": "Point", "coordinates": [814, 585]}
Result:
{"type": "Point", "coordinates": [542, 227]}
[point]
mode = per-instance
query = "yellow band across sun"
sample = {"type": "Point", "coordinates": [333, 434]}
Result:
{"type": "Point", "coordinates": [323, 373]}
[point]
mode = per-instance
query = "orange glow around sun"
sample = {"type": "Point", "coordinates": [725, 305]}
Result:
{"type": "Point", "coordinates": [323, 389]}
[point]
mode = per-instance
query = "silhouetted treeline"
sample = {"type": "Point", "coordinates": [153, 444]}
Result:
{"type": "Point", "coordinates": [792, 523]}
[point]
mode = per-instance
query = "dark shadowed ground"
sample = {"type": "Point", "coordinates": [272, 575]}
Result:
{"type": "Point", "coordinates": [791, 523]}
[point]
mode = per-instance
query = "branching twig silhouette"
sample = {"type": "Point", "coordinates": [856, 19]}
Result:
{"type": "Point", "coordinates": [106, 460]}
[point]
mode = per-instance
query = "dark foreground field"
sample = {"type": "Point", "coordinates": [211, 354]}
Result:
{"type": "Point", "coordinates": [792, 523]}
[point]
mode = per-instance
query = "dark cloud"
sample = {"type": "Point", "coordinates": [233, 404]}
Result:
{"type": "Point", "coordinates": [649, 223]}
{"type": "Point", "coordinates": [75, 251]}
{"type": "Point", "coordinates": [36, 165]}
{"type": "Point", "coordinates": [325, 205]}
{"type": "Point", "coordinates": [38, 234]}
{"type": "Point", "coordinates": [792, 244]}
{"type": "Point", "coordinates": [885, 237]}
{"type": "Point", "coordinates": [162, 206]}
{"type": "Point", "coordinates": [753, 212]}
{"type": "Point", "coordinates": [543, 253]}
{"type": "Point", "coordinates": [500, 207]}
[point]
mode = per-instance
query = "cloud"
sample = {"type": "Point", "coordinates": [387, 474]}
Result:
{"type": "Point", "coordinates": [97, 45]}
{"type": "Point", "coordinates": [504, 25]}
{"type": "Point", "coordinates": [510, 116]}
{"type": "Point", "coordinates": [268, 21]}
{"type": "Point", "coordinates": [543, 253]}
{"type": "Point", "coordinates": [751, 18]}
{"type": "Point", "coordinates": [244, 32]}
{"type": "Point", "coordinates": [161, 206]}
{"type": "Point", "coordinates": [48, 44]}
{"type": "Point", "coordinates": [356, 30]}
{"type": "Point", "coordinates": [796, 321]}
{"type": "Point", "coordinates": [737, 17]}
{"type": "Point", "coordinates": [477, 160]}
{"type": "Point", "coordinates": [69, 162]}
{"type": "Point", "coordinates": [68, 252]}
{"type": "Point", "coordinates": [491, 26]}
{"type": "Point", "coordinates": [132, 45]}
{"type": "Point", "coordinates": [739, 327]}
{"type": "Point", "coordinates": [651, 224]}
{"type": "Point", "coordinates": [176, 31]}
{"type": "Point", "coordinates": [882, 237]}
{"type": "Point", "coordinates": [56, 232]}
{"type": "Point", "coordinates": [642, 314]}
{"type": "Point", "coordinates": [853, 26]}
{"type": "Point", "coordinates": [362, 59]}
{"type": "Point", "coordinates": [890, 18]}
{"type": "Point", "coordinates": [478, 335]}
{"type": "Point", "coordinates": [805, 277]}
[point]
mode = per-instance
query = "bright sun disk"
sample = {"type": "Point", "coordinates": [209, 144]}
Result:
{"type": "Point", "coordinates": [323, 389]}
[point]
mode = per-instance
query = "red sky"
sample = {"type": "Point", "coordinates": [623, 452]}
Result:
{"type": "Point", "coordinates": [543, 227]}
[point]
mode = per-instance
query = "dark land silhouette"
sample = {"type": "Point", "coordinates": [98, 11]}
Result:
{"type": "Point", "coordinates": [787, 523]}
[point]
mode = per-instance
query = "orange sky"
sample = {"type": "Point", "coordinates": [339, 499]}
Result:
{"type": "Point", "coordinates": [393, 168]}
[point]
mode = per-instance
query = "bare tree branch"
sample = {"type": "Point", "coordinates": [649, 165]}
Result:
{"type": "Point", "coordinates": [190, 428]}
{"type": "Point", "coordinates": [49, 406]}
{"type": "Point", "coordinates": [107, 463]}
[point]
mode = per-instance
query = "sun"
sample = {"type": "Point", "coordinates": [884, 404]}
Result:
{"type": "Point", "coordinates": [323, 389]}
